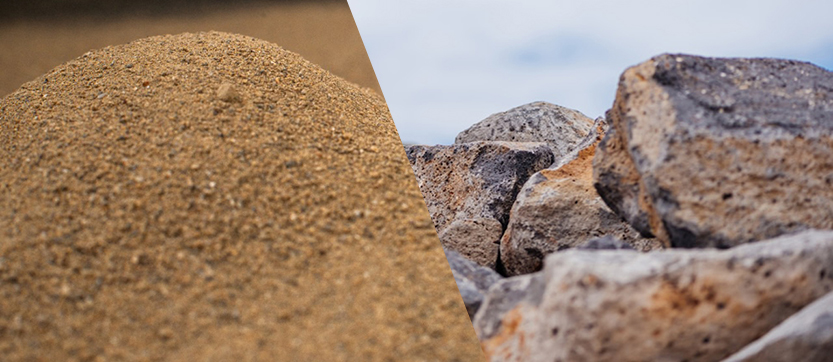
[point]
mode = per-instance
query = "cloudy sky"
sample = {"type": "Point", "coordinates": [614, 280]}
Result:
{"type": "Point", "coordinates": [445, 65]}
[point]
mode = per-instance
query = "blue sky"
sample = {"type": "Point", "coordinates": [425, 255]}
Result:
{"type": "Point", "coordinates": [445, 65]}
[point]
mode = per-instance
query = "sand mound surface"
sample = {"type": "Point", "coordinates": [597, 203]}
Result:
{"type": "Point", "coordinates": [214, 197]}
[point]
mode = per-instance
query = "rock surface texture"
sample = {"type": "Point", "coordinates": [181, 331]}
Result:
{"type": "Point", "coordinates": [474, 181]}
{"type": "Point", "coordinates": [561, 128]}
{"type": "Point", "coordinates": [710, 152]}
{"type": "Point", "coordinates": [475, 239]}
{"type": "Point", "coordinates": [473, 280]}
{"type": "Point", "coordinates": [606, 242]}
{"type": "Point", "coordinates": [807, 336]}
{"type": "Point", "coordinates": [672, 305]}
{"type": "Point", "coordinates": [504, 296]}
{"type": "Point", "coordinates": [558, 208]}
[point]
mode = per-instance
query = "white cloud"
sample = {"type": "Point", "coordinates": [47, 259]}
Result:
{"type": "Point", "coordinates": [445, 65]}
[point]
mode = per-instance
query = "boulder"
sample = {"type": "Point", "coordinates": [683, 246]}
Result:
{"type": "Point", "coordinates": [617, 183]}
{"type": "Point", "coordinates": [558, 208]}
{"type": "Point", "coordinates": [504, 296]}
{"type": "Point", "coordinates": [711, 152]}
{"type": "Point", "coordinates": [670, 305]}
{"type": "Point", "coordinates": [474, 181]}
{"type": "Point", "coordinates": [561, 128]}
{"type": "Point", "coordinates": [807, 336]}
{"type": "Point", "coordinates": [475, 239]}
{"type": "Point", "coordinates": [472, 280]}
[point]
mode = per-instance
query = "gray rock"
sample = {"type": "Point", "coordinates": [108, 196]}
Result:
{"type": "Point", "coordinates": [503, 297]}
{"type": "Point", "coordinates": [670, 305]}
{"type": "Point", "coordinates": [561, 128]}
{"type": "Point", "coordinates": [474, 238]}
{"type": "Point", "coordinates": [606, 242]}
{"type": "Point", "coordinates": [617, 182]}
{"type": "Point", "coordinates": [807, 336]}
{"type": "Point", "coordinates": [472, 280]}
{"type": "Point", "coordinates": [711, 152]}
{"type": "Point", "coordinates": [558, 208]}
{"type": "Point", "coordinates": [474, 181]}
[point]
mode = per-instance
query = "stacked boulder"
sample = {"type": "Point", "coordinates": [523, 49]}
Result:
{"type": "Point", "coordinates": [689, 224]}
{"type": "Point", "coordinates": [506, 177]}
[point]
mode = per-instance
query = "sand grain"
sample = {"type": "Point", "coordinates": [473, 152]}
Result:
{"type": "Point", "coordinates": [144, 218]}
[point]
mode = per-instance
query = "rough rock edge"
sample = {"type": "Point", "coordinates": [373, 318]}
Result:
{"type": "Point", "coordinates": [806, 336]}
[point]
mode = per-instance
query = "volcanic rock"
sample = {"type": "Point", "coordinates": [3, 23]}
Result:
{"type": "Point", "coordinates": [472, 280]}
{"type": "Point", "coordinates": [558, 208]}
{"type": "Point", "coordinates": [671, 305]}
{"type": "Point", "coordinates": [476, 239]}
{"type": "Point", "coordinates": [474, 181]}
{"type": "Point", "coordinates": [504, 296]}
{"type": "Point", "coordinates": [606, 242]}
{"type": "Point", "coordinates": [561, 128]}
{"type": "Point", "coordinates": [715, 152]}
{"type": "Point", "coordinates": [807, 336]}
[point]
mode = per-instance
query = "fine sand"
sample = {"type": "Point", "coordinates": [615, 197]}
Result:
{"type": "Point", "coordinates": [212, 197]}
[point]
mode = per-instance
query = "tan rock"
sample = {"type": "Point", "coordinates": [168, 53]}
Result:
{"type": "Point", "coordinates": [720, 152]}
{"type": "Point", "coordinates": [476, 239]}
{"type": "Point", "coordinates": [670, 305]}
{"type": "Point", "coordinates": [560, 127]}
{"type": "Point", "coordinates": [474, 181]}
{"type": "Point", "coordinates": [558, 208]}
{"type": "Point", "coordinates": [227, 93]}
{"type": "Point", "coordinates": [807, 336]}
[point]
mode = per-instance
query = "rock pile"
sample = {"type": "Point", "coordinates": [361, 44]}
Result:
{"type": "Point", "coordinates": [469, 189]}
{"type": "Point", "coordinates": [614, 252]}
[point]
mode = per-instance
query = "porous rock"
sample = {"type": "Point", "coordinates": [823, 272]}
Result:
{"type": "Point", "coordinates": [606, 242]}
{"type": "Point", "coordinates": [560, 127]}
{"type": "Point", "coordinates": [558, 208]}
{"type": "Point", "coordinates": [719, 152]}
{"type": "Point", "coordinates": [671, 305]}
{"type": "Point", "coordinates": [806, 336]}
{"type": "Point", "coordinates": [474, 238]}
{"type": "Point", "coordinates": [617, 182]}
{"type": "Point", "coordinates": [476, 180]}
{"type": "Point", "coordinates": [472, 280]}
{"type": "Point", "coordinates": [504, 296]}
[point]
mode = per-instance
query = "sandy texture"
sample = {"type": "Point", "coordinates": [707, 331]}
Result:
{"type": "Point", "coordinates": [144, 218]}
{"type": "Point", "coordinates": [322, 32]}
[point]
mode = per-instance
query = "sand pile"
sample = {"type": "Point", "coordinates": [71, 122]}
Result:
{"type": "Point", "coordinates": [214, 197]}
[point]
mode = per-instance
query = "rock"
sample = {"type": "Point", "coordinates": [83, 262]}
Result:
{"type": "Point", "coordinates": [561, 128]}
{"type": "Point", "coordinates": [606, 242]}
{"type": "Point", "coordinates": [617, 182]}
{"type": "Point", "coordinates": [474, 181]}
{"type": "Point", "coordinates": [671, 305]}
{"type": "Point", "coordinates": [472, 280]}
{"type": "Point", "coordinates": [227, 93]}
{"type": "Point", "coordinates": [503, 296]}
{"type": "Point", "coordinates": [807, 336]}
{"type": "Point", "coordinates": [711, 152]}
{"type": "Point", "coordinates": [558, 208]}
{"type": "Point", "coordinates": [476, 239]}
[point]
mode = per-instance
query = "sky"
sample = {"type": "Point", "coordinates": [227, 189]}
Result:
{"type": "Point", "coordinates": [445, 65]}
